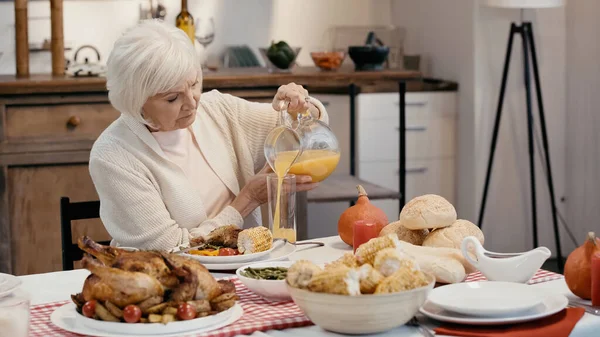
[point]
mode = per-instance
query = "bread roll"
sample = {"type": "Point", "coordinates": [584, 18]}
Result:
{"type": "Point", "coordinates": [452, 236]}
{"type": "Point", "coordinates": [438, 252]}
{"type": "Point", "coordinates": [415, 237]}
{"type": "Point", "coordinates": [445, 269]}
{"type": "Point", "coordinates": [427, 211]}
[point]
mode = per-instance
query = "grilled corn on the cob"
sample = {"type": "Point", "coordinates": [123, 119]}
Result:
{"type": "Point", "coordinates": [301, 272]}
{"type": "Point", "coordinates": [369, 279]}
{"type": "Point", "coordinates": [367, 251]}
{"type": "Point", "coordinates": [341, 280]}
{"type": "Point", "coordinates": [348, 260]}
{"type": "Point", "coordinates": [389, 260]}
{"type": "Point", "coordinates": [254, 240]}
{"type": "Point", "coordinates": [403, 279]}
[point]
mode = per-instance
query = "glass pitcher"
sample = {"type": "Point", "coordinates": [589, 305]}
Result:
{"type": "Point", "coordinates": [306, 146]}
{"type": "Point", "coordinates": [320, 153]}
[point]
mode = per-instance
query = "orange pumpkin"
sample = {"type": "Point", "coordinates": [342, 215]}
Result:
{"type": "Point", "coordinates": [362, 210]}
{"type": "Point", "coordinates": [578, 268]}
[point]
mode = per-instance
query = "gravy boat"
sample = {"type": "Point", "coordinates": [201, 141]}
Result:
{"type": "Point", "coordinates": [507, 267]}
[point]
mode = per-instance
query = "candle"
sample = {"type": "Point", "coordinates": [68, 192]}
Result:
{"type": "Point", "coordinates": [363, 231]}
{"type": "Point", "coordinates": [596, 280]}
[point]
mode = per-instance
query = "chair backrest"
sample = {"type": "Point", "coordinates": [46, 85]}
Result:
{"type": "Point", "coordinates": [70, 211]}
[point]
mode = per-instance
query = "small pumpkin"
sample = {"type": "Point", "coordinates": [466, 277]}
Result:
{"type": "Point", "coordinates": [578, 268]}
{"type": "Point", "coordinates": [362, 210]}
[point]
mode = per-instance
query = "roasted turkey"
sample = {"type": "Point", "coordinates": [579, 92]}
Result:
{"type": "Point", "coordinates": [123, 277]}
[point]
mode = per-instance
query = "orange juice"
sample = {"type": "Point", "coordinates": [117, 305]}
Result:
{"type": "Point", "coordinates": [283, 161]}
{"type": "Point", "coordinates": [318, 164]}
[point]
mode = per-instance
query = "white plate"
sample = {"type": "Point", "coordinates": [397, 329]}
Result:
{"type": "Point", "coordinates": [68, 319]}
{"type": "Point", "coordinates": [488, 298]}
{"type": "Point", "coordinates": [8, 283]}
{"type": "Point", "coordinates": [235, 258]}
{"type": "Point", "coordinates": [278, 254]}
{"type": "Point", "coordinates": [552, 304]}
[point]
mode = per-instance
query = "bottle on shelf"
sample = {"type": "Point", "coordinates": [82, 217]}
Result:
{"type": "Point", "coordinates": [185, 21]}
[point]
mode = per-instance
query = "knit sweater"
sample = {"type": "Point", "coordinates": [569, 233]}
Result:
{"type": "Point", "coordinates": [146, 201]}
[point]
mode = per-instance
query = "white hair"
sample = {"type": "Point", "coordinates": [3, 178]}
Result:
{"type": "Point", "coordinates": [150, 58]}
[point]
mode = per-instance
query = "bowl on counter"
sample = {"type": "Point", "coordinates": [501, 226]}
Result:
{"type": "Point", "coordinates": [368, 57]}
{"type": "Point", "coordinates": [362, 314]}
{"type": "Point", "coordinates": [271, 290]}
{"type": "Point", "coordinates": [284, 67]}
{"type": "Point", "coordinates": [328, 60]}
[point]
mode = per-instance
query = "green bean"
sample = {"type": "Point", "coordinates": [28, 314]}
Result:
{"type": "Point", "coordinates": [267, 273]}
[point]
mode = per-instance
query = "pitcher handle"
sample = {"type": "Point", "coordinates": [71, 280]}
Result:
{"type": "Point", "coordinates": [465, 249]}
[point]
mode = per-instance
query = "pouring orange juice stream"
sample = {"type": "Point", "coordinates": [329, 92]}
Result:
{"type": "Point", "coordinates": [318, 164]}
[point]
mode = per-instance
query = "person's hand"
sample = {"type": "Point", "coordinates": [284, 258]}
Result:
{"type": "Point", "coordinates": [255, 192]}
{"type": "Point", "coordinates": [296, 96]}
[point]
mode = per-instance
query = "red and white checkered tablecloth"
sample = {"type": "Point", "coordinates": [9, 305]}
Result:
{"type": "Point", "coordinates": [259, 314]}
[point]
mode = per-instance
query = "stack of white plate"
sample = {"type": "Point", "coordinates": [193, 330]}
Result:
{"type": "Point", "coordinates": [279, 251]}
{"type": "Point", "coordinates": [491, 303]}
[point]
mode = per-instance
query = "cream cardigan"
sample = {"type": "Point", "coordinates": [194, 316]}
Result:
{"type": "Point", "coordinates": [146, 201]}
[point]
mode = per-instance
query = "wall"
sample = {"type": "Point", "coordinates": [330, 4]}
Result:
{"type": "Point", "coordinates": [466, 42]}
{"type": "Point", "coordinates": [583, 139]}
{"type": "Point", "coordinates": [100, 22]}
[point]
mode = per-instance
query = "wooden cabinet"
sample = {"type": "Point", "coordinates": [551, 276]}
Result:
{"type": "Point", "coordinates": [34, 213]}
{"type": "Point", "coordinates": [44, 152]}
{"type": "Point", "coordinates": [430, 144]}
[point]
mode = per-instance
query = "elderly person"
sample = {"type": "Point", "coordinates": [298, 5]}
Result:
{"type": "Point", "coordinates": [178, 163]}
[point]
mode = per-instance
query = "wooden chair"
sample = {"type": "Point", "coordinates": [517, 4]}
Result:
{"type": "Point", "coordinates": [70, 211]}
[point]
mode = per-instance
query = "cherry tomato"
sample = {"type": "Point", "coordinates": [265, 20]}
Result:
{"type": "Point", "coordinates": [89, 309]}
{"type": "Point", "coordinates": [227, 252]}
{"type": "Point", "coordinates": [186, 311]}
{"type": "Point", "coordinates": [132, 313]}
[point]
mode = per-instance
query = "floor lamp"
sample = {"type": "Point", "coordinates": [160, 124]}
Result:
{"type": "Point", "coordinates": [525, 30]}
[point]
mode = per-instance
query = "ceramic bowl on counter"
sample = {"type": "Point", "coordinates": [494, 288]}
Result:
{"type": "Point", "coordinates": [362, 314]}
{"type": "Point", "coordinates": [271, 290]}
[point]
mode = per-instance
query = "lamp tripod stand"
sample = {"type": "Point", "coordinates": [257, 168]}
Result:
{"type": "Point", "coordinates": [525, 31]}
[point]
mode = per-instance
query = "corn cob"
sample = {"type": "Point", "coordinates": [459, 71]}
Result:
{"type": "Point", "coordinates": [389, 260]}
{"type": "Point", "coordinates": [369, 279]}
{"type": "Point", "coordinates": [254, 240]}
{"type": "Point", "coordinates": [348, 260]}
{"type": "Point", "coordinates": [367, 251]}
{"type": "Point", "coordinates": [341, 280]}
{"type": "Point", "coordinates": [301, 272]}
{"type": "Point", "coordinates": [403, 279]}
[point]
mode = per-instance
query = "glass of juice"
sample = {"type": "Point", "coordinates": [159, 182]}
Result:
{"type": "Point", "coordinates": [282, 206]}
{"type": "Point", "coordinates": [363, 231]}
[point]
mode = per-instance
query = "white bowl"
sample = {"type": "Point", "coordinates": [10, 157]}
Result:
{"type": "Point", "coordinates": [363, 314]}
{"type": "Point", "coordinates": [271, 290]}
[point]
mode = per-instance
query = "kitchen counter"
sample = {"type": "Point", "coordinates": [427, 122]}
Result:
{"type": "Point", "coordinates": [237, 79]}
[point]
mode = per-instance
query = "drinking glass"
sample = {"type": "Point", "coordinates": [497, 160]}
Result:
{"type": "Point", "coordinates": [287, 207]}
{"type": "Point", "coordinates": [14, 314]}
{"type": "Point", "coordinates": [205, 34]}
{"type": "Point", "coordinates": [363, 231]}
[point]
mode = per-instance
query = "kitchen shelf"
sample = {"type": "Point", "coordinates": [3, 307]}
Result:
{"type": "Point", "coordinates": [343, 188]}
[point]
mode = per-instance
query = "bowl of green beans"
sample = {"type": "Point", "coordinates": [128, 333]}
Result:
{"type": "Point", "coordinates": [266, 279]}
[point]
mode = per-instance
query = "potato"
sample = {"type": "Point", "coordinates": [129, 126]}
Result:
{"type": "Point", "coordinates": [149, 303]}
{"type": "Point", "coordinates": [113, 309]}
{"type": "Point", "coordinates": [224, 305]}
{"type": "Point", "coordinates": [157, 308]}
{"type": "Point", "coordinates": [144, 320]}
{"type": "Point", "coordinates": [104, 314]}
{"type": "Point", "coordinates": [200, 305]}
{"type": "Point", "coordinates": [224, 297]}
{"type": "Point", "coordinates": [203, 314]}
{"type": "Point", "coordinates": [170, 311]}
{"type": "Point", "coordinates": [168, 318]}
{"type": "Point", "coordinates": [152, 318]}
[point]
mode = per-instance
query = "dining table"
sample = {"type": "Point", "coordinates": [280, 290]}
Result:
{"type": "Point", "coordinates": [58, 286]}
